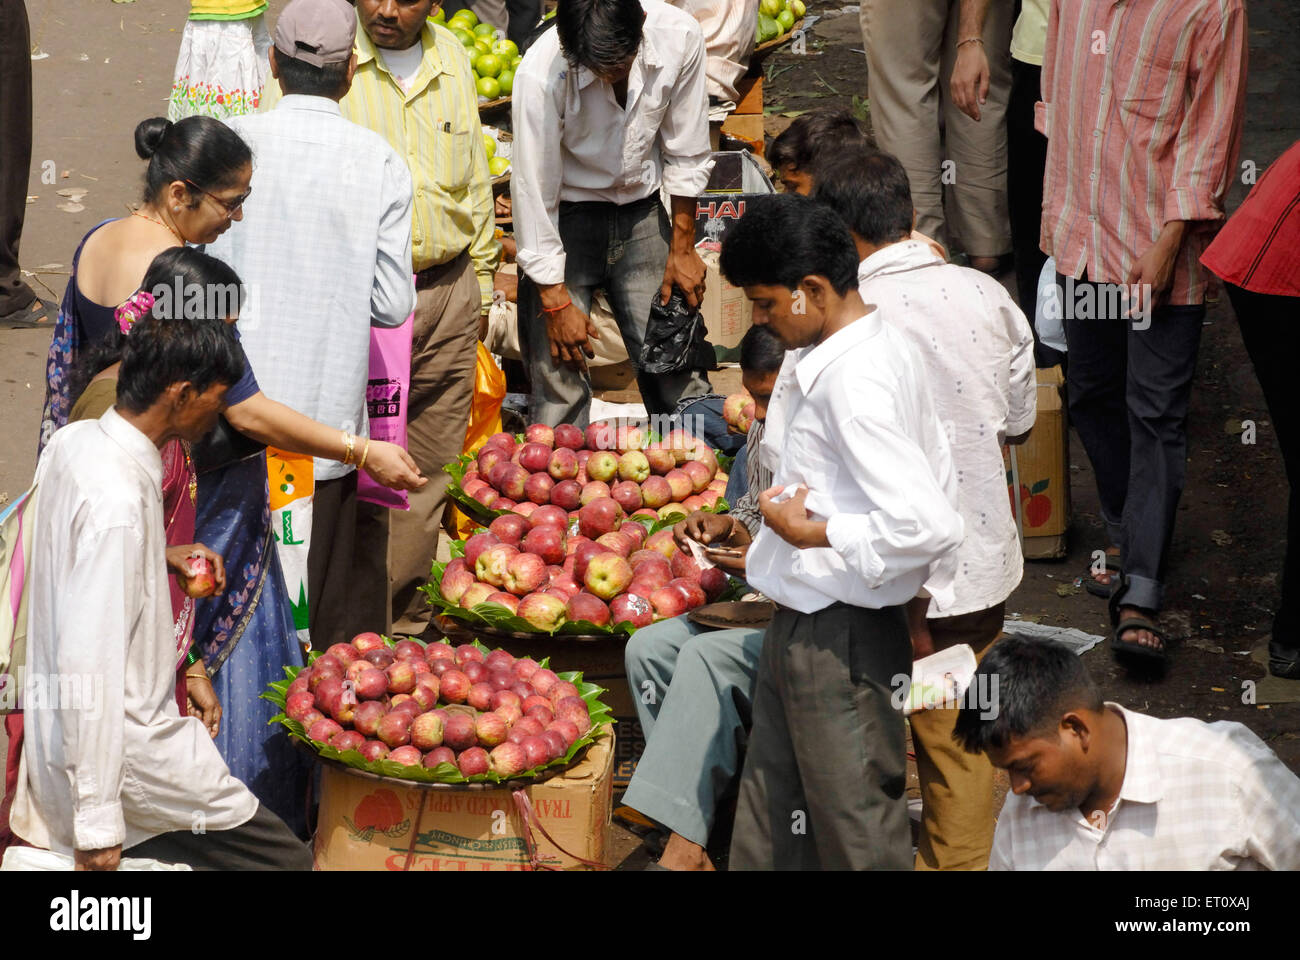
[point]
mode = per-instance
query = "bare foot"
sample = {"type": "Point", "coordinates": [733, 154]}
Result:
{"type": "Point", "coordinates": [1143, 638]}
{"type": "Point", "coordinates": [681, 854]}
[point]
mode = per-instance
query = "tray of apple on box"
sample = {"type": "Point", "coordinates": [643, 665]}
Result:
{"type": "Point", "coordinates": [647, 476]}
{"type": "Point", "coordinates": [447, 717]}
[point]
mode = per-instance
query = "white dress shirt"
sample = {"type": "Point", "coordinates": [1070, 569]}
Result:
{"type": "Point", "coordinates": [852, 419]}
{"type": "Point", "coordinates": [1196, 796]}
{"type": "Point", "coordinates": [574, 142]}
{"type": "Point", "coordinates": [325, 251]}
{"type": "Point", "coordinates": [107, 757]}
{"type": "Point", "coordinates": [728, 27]}
{"type": "Point", "coordinates": [978, 353]}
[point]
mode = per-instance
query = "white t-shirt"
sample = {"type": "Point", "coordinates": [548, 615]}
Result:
{"type": "Point", "coordinates": [403, 64]}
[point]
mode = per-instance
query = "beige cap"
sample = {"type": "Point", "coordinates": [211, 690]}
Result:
{"type": "Point", "coordinates": [317, 31]}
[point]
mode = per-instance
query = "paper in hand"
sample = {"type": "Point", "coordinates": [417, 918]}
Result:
{"type": "Point", "coordinates": [939, 681]}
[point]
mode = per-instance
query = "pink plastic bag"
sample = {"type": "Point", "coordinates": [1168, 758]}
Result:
{"type": "Point", "coordinates": [386, 403]}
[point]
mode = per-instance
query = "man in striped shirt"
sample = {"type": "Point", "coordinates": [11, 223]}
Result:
{"type": "Point", "coordinates": [1143, 111]}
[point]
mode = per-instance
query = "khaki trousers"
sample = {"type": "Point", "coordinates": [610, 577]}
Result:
{"type": "Point", "coordinates": [956, 787]}
{"type": "Point", "coordinates": [444, 346]}
{"type": "Point", "coordinates": [911, 48]}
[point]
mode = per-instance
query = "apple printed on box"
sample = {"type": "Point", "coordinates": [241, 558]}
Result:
{"type": "Point", "coordinates": [1035, 502]}
{"type": "Point", "coordinates": [378, 812]}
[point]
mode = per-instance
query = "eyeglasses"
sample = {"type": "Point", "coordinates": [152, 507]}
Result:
{"type": "Point", "coordinates": [231, 206]}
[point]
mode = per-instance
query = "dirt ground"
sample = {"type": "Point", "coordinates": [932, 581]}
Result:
{"type": "Point", "coordinates": [104, 66]}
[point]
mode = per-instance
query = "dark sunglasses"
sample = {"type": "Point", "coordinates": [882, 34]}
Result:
{"type": "Point", "coordinates": [230, 205]}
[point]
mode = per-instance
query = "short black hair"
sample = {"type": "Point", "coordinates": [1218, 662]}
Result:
{"type": "Point", "coordinates": [599, 34]}
{"type": "Point", "coordinates": [300, 77]}
{"type": "Point", "coordinates": [870, 191]}
{"type": "Point", "coordinates": [201, 150]}
{"type": "Point", "coordinates": [815, 138]}
{"type": "Point", "coordinates": [160, 352]}
{"type": "Point", "coordinates": [783, 238]}
{"type": "Point", "coordinates": [761, 351]}
{"type": "Point", "coordinates": [1037, 682]}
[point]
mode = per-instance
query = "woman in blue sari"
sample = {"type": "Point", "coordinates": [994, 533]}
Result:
{"type": "Point", "coordinates": [198, 176]}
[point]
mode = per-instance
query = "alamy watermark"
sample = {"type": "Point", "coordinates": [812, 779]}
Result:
{"type": "Point", "coordinates": [50, 691]}
{"type": "Point", "coordinates": [1080, 300]}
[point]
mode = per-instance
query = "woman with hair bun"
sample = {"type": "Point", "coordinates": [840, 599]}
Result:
{"type": "Point", "coordinates": [223, 62]}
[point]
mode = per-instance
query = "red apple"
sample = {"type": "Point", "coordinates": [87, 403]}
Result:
{"type": "Point", "coordinates": [299, 683]}
{"type": "Point", "coordinates": [509, 760]}
{"type": "Point", "coordinates": [607, 575]}
{"type": "Point", "coordinates": [542, 715]}
{"type": "Point", "coordinates": [601, 515]}
{"type": "Point", "coordinates": [601, 436]}
{"type": "Point", "coordinates": [480, 696]}
{"type": "Point", "coordinates": [656, 491]}
{"type": "Point", "coordinates": [542, 611]}
{"type": "Point", "coordinates": [567, 435]}
{"type": "Point", "coordinates": [427, 688]}
{"type": "Point", "coordinates": [538, 488]}
{"type": "Point", "coordinates": [525, 509]}
{"type": "Point", "coordinates": [344, 653]}
{"type": "Point", "coordinates": [683, 565]}
{"type": "Point", "coordinates": [701, 476]}
{"type": "Point", "coordinates": [407, 756]}
{"type": "Point", "coordinates": [627, 494]}
{"type": "Point", "coordinates": [593, 490]}
{"type": "Point", "coordinates": [473, 762]}
{"type": "Point", "coordinates": [508, 529]}
{"type": "Point", "coordinates": [660, 460]}
{"type": "Point", "coordinates": [476, 670]}
{"type": "Point", "coordinates": [439, 755]}
{"type": "Point", "coordinates": [476, 545]}
{"type": "Point", "coordinates": [525, 727]}
{"type": "Point", "coordinates": [693, 502]}
{"type": "Point", "coordinates": [492, 563]}
{"type": "Point", "coordinates": [713, 582]}
{"type": "Point", "coordinates": [506, 441]}
{"type": "Point", "coordinates": [602, 466]}
{"type": "Point", "coordinates": [544, 681]}
{"type": "Point", "coordinates": [567, 494]}
{"type": "Point", "coordinates": [328, 693]}
{"type": "Point", "coordinates": [368, 641]}
{"type": "Point", "coordinates": [504, 697]}
{"type": "Point", "coordinates": [525, 667]}
{"type": "Point", "coordinates": [555, 743]}
{"type": "Point", "coordinates": [536, 752]}
{"type": "Point", "coordinates": [439, 651]}
{"type": "Point", "coordinates": [490, 729]}
{"type": "Point", "coordinates": [490, 456]}
{"type": "Point", "coordinates": [690, 591]}
{"type": "Point", "coordinates": [367, 716]}
{"type": "Point", "coordinates": [458, 731]}
{"type": "Point", "coordinates": [535, 457]}
{"type": "Point", "coordinates": [485, 496]}
{"type": "Point", "coordinates": [382, 658]}
{"type": "Point", "coordinates": [373, 683]}
{"type": "Point", "coordinates": [549, 515]}
{"type": "Point", "coordinates": [563, 464]}
{"type": "Point", "coordinates": [525, 573]}
{"type": "Point", "coordinates": [547, 543]}
{"type": "Point", "coordinates": [408, 650]}
{"type": "Point", "coordinates": [582, 559]}
{"type": "Point", "coordinates": [395, 728]}
{"type": "Point", "coordinates": [618, 541]}
{"type": "Point", "coordinates": [540, 433]}
{"type": "Point", "coordinates": [476, 594]}
{"type": "Point", "coordinates": [310, 717]}
{"type": "Point", "coordinates": [680, 483]}
{"type": "Point", "coordinates": [296, 705]}
{"type": "Point", "coordinates": [374, 750]}
{"type": "Point", "coordinates": [566, 729]}
{"type": "Point", "coordinates": [455, 686]}
{"type": "Point", "coordinates": [347, 740]}
{"type": "Point", "coordinates": [503, 599]}
{"type": "Point", "coordinates": [401, 678]}
{"type": "Point", "coordinates": [586, 606]}
{"type": "Point", "coordinates": [631, 607]}
{"type": "Point", "coordinates": [455, 583]}
{"type": "Point", "coordinates": [466, 652]}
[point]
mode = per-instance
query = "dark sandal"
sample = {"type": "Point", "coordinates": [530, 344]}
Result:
{"type": "Point", "coordinates": [1132, 652]}
{"type": "Point", "coordinates": [37, 314]}
{"type": "Point", "coordinates": [1103, 590]}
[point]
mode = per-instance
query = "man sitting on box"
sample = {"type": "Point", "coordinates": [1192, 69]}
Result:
{"type": "Point", "coordinates": [608, 107]}
{"type": "Point", "coordinates": [693, 688]}
{"type": "Point", "coordinates": [1118, 790]}
{"type": "Point", "coordinates": [978, 350]}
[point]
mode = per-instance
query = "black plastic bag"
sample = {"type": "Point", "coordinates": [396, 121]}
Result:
{"type": "Point", "coordinates": [675, 338]}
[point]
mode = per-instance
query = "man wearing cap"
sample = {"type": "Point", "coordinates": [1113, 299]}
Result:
{"type": "Point", "coordinates": [325, 251]}
{"type": "Point", "coordinates": [415, 86]}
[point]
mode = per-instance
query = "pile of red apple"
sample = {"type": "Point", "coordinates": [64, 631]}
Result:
{"type": "Point", "coordinates": [428, 705]}
{"type": "Point", "coordinates": [569, 469]}
{"type": "Point", "coordinates": [610, 573]}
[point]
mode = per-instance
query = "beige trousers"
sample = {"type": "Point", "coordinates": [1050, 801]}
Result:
{"type": "Point", "coordinates": [911, 48]}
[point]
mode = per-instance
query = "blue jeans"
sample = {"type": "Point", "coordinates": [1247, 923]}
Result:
{"type": "Point", "coordinates": [621, 249]}
{"type": "Point", "coordinates": [693, 689]}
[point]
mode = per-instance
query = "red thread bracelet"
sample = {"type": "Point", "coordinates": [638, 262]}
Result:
{"type": "Point", "coordinates": [566, 303]}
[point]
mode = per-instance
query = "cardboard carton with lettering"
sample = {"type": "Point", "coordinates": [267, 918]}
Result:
{"type": "Point", "coordinates": [1043, 466]}
{"type": "Point", "coordinates": [369, 824]}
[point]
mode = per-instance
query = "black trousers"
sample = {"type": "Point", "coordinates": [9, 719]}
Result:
{"type": "Point", "coordinates": [15, 149]}
{"type": "Point", "coordinates": [1026, 163]}
{"type": "Point", "coordinates": [263, 843]}
{"type": "Point", "coordinates": [347, 570]}
{"type": "Point", "coordinates": [1129, 385]}
{"type": "Point", "coordinates": [1268, 328]}
{"type": "Point", "coordinates": [822, 785]}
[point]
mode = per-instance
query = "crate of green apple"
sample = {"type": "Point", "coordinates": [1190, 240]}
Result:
{"type": "Point", "coordinates": [568, 468]}
{"type": "Point", "coordinates": [437, 713]}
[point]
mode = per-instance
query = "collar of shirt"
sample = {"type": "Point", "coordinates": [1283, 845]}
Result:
{"type": "Point", "coordinates": [137, 446]}
{"type": "Point", "coordinates": [1142, 766]}
{"type": "Point", "coordinates": [897, 257]}
{"type": "Point", "coordinates": [814, 360]}
{"type": "Point", "coordinates": [431, 65]}
{"type": "Point", "coordinates": [309, 104]}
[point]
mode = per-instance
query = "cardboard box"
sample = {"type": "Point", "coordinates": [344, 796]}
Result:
{"type": "Point", "coordinates": [749, 97]}
{"type": "Point", "coordinates": [736, 176]}
{"type": "Point", "coordinates": [726, 310]}
{"type": "Point", "coordinates": [367, 824]}
{"type": "Point", "coordinates": [748, 128]}
{"type": "Point", "coordinates": [1043, 463]}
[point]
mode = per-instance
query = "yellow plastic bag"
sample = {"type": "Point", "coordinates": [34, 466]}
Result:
{"type": "Point", "coordinates": [484, 420]}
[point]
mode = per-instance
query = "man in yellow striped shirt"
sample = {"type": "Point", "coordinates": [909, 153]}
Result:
{"type": "Point", "coordinates": [415, 86]}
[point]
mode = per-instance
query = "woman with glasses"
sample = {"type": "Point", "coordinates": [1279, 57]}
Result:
{"type": "Point", "coordinates": [198, 176]}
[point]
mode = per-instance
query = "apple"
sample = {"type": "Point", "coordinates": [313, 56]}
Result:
{"type": "Point", "coordinates": [480, 695]}
{"type": "Point", "coordinates": [401, 678]}
{"type": "Point", "coordinates": [587, 606]}
{"type": "Point", "coordinates": [509, 759]}
{"type": "Point", "coordinates": [663, 542]}
{"type": "Point", "coordinates": [344, 653]}
{"type": "Point", "coordinates": [630, 438]}
{"type": "Point", "coordinates": [408, 650]}
{"type": "Point", "coordinates": [632, 607]}
{"type": "Point", "coordinates": [407, 756]}
{"type": "Point", "coordinates": [549, 515]}
{"type": "Point", "coordinates": [536, 752]}
{"type": "Point", "coordinates": [455, 583]}
{"type": "Point", "coordinates": [365, 719]}
{"type": "Point", "coordinates": [582, 559]}
{"type": "Point", "coordinates": [601, 436]}
{"type": "Point", "coordinates": [486, 496]}
{"type": "Point", "coordinates": [473, 762]}
{"type": "Point", "coordinates": [439, 651]}
{"type": "Point", "coordinates": [660, 460]}
{"type": "Point", "coordinates": [713, 582]}
{"type": "Point", "coordinates": [690, 591]}
{"type": "Point", "coordinates": [543, 611]}
{"type": "Point", "coordinates": [535, 457]}
{"type": "Point", "coordinates": [563, 464]}
{"type": "Point", "coordinates": [503, 599]}
{"type": "Point", "coordinates": [601, 515]}
{"type": "Point", "coordinates": [465, 652]}
{"type": "Point", "coordinates": [501, 678]}
{"type": "Point", "coordinates": [540, 433]}
{"type": "Point", "coordinates": [668, 603]}
{"type": "Point", "coordinates": [656, 491]}
{"type": "Point", "coordinates": [546, 543]}
{"type": "Point", "coordinates": [310, 717]}
{"type": "Point", "coordinates": [701, 476]}
{"type": "Point", "coordinates": [490, 729]}
{"type": "Point", "coordinates": [476, 545]}
{"type": "Point", "coordinates": [455, 686]}
{"type": "Point", "coordinates": [680, 483]}
{"type": "Point", "coordinates": [633, 466]}
{"type": "Point", "coordinates": [506, 441]}
{"type": "Point", "coordinates": [395, 728]}
{"type": "Point", "coordinates": [565, 728]}
{"type": "Point", "coordinates": [299, 683]}
{"type": "Point", "coordinates": [617, 541]}
{"type": "Point", "coordinates": [490, 456]}
{"type": "Point", "coordinates": [458, 731]}
{"type": "Point", "coordinates": [508, 529]}
{"type": "Point", "coordinates": [538, 488]}
{"type": "Point", "coordinates": [555, 743]}
{"type": "Point", "coordinates": [373, 750]}
{"type": "Point", "coordinates": [509, 712]}
{"type": "Point", "coordinates": [426, 691]}
{"type": "Point", "coordinates": [593, 490]}
{"type": "Point", "coordinates": [670, 510]}
{"type": "Point", "coordinates": [627, 494]}
{"type": "Point", "coordinates": [511, 480]}
{"type": "Point", "coordinates": [562, 691]}
{"type": "Point", "coordinates": [505, 697]}
{"type": "Point", "coordinates": [368, 641]}
{"type": "Point", "coordinates": [373, 683]}
{"type": "Point", "coordinates": [636, 532]}
{"type": "Point", "coordinates": [329, 693]}
{"type": "Point", "coordinates": [439, 755]}
{"type": "Point", "coordinates": [544, 681]}
{"type": "Point", "coordinates": [653, 573]}
{"type": "Point", "coordinates": [567, 495]}
{"type": "Point", "coordinates": [523, 688]}
{"type": "Point", "coordinates": [492, 563]}
{"type": "Point", "coordinates": [525, 667]}
{"type": "Point", "coordinates": [475, 670]}
{"type": "Point", "coordinates": [683, 565]}
{"type": "Point", "coordinates": [525, 727]}
{"type": "Point", "coordinates": [476, 594]}
{"type": "Point", "coordinates": [603, 466]}
{"type": "Point", "coordinates": [296, 705]}
{"type": "Point", "coordinates": [525, 573]}
{"type": "Point", "coordinates": [347, 740]}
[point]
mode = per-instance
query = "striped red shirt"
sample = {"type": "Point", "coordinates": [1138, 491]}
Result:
{"type": "Point", "coordinates": [1259, 247]}
{"type": "Point", "coordinates": [1143, 120]}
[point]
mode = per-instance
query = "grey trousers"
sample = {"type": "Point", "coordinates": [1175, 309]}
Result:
{"type": "Point", "coordinates": [622, 249]}
{"type": "Point", "coordinates": [263, 843]}
{"type": "Point", "coordinates": [694, 689]}
{"type": "Point", "coordinates": [822, 787]}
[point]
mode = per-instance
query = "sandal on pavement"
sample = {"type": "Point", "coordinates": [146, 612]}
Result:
{"type": "Point", "coordinates": [1284, 663]}
{"type": "Point", "coordinates": [1095, 586]}
{"type": "Point", "coordinates": [39, 314]}
{"type": "Point", "coordinates": [1131, 651]}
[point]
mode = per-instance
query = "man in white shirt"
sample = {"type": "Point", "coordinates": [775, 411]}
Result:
{"type": "Point", "coordinates": [728, 28]}
{"type": "Point", "coordinates": [978, 351]}
{"type": "Point", "coordinates": [1118, 790]}
{"type": "Point", "coordinates": [108, 761]}
{"type": "Point", "coordinates": [325, 246]}
{"type": "Point", "coordinates": [861, 517]}
{"type": "Point", "coordinates": [608, 107]}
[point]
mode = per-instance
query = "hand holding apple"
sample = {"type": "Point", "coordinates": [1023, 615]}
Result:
{"type": "Point", "coordinates": [199, 571]}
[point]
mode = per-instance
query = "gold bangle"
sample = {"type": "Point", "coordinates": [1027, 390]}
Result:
{"type": "Point", "coordinates": [361, 464]}
{"type": "Point", "coordinates": [979, 40]}
{"type": "Point", "coordinates": [197, 676]}
{"type": "Point", "coordinates": [349, 443]}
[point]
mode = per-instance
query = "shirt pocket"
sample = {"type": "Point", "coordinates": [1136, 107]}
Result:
{"type": "Point", "coordinates": [1154, 88]}
{"type": "Point", "coordinates": [453, 159]}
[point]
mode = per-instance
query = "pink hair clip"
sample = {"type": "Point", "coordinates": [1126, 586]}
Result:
{"type": "Point", "coordinates": [136, 307]}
